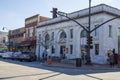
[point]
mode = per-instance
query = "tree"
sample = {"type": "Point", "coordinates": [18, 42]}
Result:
{"type": "Point", "coordinates": [45, 41]}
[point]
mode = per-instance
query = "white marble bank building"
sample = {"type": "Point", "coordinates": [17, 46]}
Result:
{"type": "Point", "coordinates": [66, 39]}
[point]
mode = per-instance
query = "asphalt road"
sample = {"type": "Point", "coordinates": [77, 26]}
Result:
{"type": "Point", "coordinates": [15, 70]}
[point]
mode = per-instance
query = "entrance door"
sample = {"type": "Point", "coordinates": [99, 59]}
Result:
{"type": "Point", "coordinates": [62, 52]}
{"type": "Point", "coordinates": [83, 53]}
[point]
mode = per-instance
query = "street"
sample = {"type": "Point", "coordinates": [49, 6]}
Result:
{"type": "Point", "coordinates": [15, 70]}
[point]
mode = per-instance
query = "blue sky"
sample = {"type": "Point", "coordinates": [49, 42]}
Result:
{"type": "Point", "coordinates": [14, 12]}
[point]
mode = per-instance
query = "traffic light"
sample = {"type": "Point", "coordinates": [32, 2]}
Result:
{"type": "Point", "coordinates": [90, 41]}
{"type": "Point", "coordinates": [54, 12]}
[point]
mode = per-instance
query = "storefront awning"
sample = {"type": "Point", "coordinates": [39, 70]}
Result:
{"type": "Point", "coordinates": [25, 43]}
{"type": "Point", "coordinates": [33, 43]}
{"type": "Point", "coordinates": [28, 43]}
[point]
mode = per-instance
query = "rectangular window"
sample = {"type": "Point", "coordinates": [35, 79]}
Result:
{"type": "Point", "coordinates": [31, 32]}
{"type": "Point", "coordinates": [39, 39]}
{"type": "Point", "coordinates": [110, 30]}
{"type": "Point", "coordinates": [39, 36]}
{"type": "Point", "coordinates": [71, 49]}
{"type": "Point", "coordinates": [34, 31]}
{"type": "Point", "coordinates": [96, 49]}
{"type": "Point", "coordinates": [52, 35]}
{"type": "Point", "coordinates": [96, 31]}
{"type": "Point", "coordinates": [119, 39]}
{"type": "Point", "coordinates": [71, 33]}
{"type": "Point", "coordinates": [53, 50]}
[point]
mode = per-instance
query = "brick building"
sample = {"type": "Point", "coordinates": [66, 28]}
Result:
{"type": "Point", "coordinates": [16, 36]}
{"type": "Point", "coordinates": [29, 44]}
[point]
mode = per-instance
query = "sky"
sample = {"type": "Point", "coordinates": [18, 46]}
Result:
{"type": "Point", "coordinates": [14, 12]}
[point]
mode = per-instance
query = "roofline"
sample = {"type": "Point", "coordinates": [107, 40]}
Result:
{"type": "Point", "coordinates": [82, 13]}
{"type": "Point", "coordinates": [31, 17]}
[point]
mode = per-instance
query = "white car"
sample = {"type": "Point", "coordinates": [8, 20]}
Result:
{"type": "Point", "coordinates": [1, 52]}
{"type": "Point", "coordinates": [16, 55]}
{"type": "Point", "coordinates": [7, 55]}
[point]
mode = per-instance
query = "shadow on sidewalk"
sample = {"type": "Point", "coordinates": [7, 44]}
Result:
{"type": "Point", "coordinates": [64, 70]}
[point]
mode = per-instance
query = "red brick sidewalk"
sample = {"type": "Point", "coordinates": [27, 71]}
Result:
{"type": "Point", "coordinates": [93, 66]}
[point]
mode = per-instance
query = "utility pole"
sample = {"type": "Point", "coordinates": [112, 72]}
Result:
{"type": "Point", "coordinates": [88, 35]}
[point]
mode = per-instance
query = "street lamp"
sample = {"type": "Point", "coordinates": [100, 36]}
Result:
{"type": "Point", "coordinates": [5, 28]}
{"type": "Point", "coordinates": [8, 37]}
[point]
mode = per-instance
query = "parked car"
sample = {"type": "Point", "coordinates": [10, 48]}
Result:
{"type": "Point", "coordinates": [7, 55]}
{"type": "Point", "coordinates": [1, 53]}
{"type": "Point", "coordinates": [15, 55]}
{"type": "Point", "coordinates": [27, 56]}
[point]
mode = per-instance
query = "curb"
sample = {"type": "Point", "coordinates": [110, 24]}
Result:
{"type": "Point", "coordinates": [82, 68]}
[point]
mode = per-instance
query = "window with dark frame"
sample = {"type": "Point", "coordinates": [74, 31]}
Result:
{"type": "Point", "coordinates": [62, 35]}
{"type": "Point", "coordinates": [110, 30]}
{"type": "Point", "coordinates": [71, 33]}
{"type": "Point", "coordinates": [53, 50]}
{"type": "Point", "coordinates": [52, 35]}
{"type": "Point", "coordinates": [96, 49]}
{"type": "Point", "coordinates": [96, 31]}
{"type": "Point", "coordinates": [83, 34]}
{"type": "Point", "coordinates": [71, 49]}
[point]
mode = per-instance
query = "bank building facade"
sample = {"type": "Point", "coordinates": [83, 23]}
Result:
{"type": "Point", "coordinates": [63, 38]}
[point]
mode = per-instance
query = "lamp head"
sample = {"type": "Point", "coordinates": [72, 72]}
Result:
{"type": "Point", "coordinates": [3, 28]}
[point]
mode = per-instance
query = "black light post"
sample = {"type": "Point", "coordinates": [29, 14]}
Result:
{"type": "Point", "coordinates": [8, 37]}
{"type": "Point", "coordinates": [88, 35]}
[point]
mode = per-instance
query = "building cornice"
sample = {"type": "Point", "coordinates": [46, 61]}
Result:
{"type": "Point", "coordinates": [82, 13]}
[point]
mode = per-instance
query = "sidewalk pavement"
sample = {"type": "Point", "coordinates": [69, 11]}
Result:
{"type": "Point", "coordinates": [72, 66]}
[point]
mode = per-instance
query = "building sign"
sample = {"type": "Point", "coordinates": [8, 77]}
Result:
{"type": "Point", "coordinates": [31, 21]}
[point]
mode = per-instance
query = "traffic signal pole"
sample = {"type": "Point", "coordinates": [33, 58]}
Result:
{"type": "Point", "coordinates": [88, 29]}
{"type": "Point", "coordinates": [88, 35]}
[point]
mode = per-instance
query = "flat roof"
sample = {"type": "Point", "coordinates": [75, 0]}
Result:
{"type": "Point", "coordinates": [82, 13]}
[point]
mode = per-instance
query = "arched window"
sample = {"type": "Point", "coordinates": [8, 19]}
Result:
{"type": "Point", "coordinates": [63, 35]}
{"type": "Point", "coordinates": [83, 33]}
{"type": "Point", "coordinates": [47, 38]}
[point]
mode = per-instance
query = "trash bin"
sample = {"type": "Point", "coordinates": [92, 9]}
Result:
{"type": "Point", "coordinates": [78, 62]}
{"type": "Point", "coordinates": [49, 61]}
